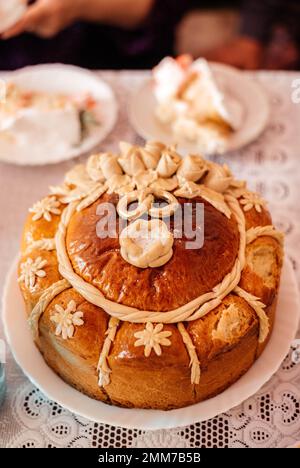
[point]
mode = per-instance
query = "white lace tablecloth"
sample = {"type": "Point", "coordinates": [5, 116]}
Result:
{"type": "Point", "coordinates": [271, 418]}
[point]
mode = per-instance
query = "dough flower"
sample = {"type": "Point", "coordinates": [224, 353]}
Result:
{"type": "Point", "coordinates": [146, 243]}
{"type": "Point", "coordinates": [66, 319]}
{"type": "Point", "coordinates": [153, 338]}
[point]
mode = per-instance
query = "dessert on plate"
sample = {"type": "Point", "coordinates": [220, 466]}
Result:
{"type": "Point", "coordinates": [190, 101]}
{"type": "Point", "coordinates": [55, 122]}
{"type": "Point", "coordinates": [124, 305]}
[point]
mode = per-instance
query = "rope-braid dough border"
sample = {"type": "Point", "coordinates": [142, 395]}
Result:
{"type": "Point", "coordinates": [50, 293]}
{"type": "Point", "coordinates": [103, 367]}
{"type": "Point", "coordinates": [194, 361]}
{"type": "Point", "coordinates": [92, 197]}
{"type": "Point", "coordinates": [258, 307]}
{"type": "Point", "coordinates": [259, 231]}
{"type": "Point", "coordinates": [188, 312]}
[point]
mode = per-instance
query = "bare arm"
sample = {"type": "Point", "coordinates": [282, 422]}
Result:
{"type": "Point", "coordinates": [46, 18]}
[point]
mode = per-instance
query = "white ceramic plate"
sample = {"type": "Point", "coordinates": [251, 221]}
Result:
{"type": "Point", "coordinates": [67, 79]}
{"type": "Point", "coordinates": [244, 95]}
{"type": "Point", "coordinates": [33, 365]}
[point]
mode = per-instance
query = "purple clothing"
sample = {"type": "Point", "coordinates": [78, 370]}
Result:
{"type": "Point", "coordinates": [259, 16]}
{"type": "Point", "coordinates": [100, 46]}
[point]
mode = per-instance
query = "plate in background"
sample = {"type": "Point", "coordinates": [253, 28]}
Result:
{"type": "Point", "coordinates": [243, 93]}
{"type": "Point", "coordinates": [66, 79]}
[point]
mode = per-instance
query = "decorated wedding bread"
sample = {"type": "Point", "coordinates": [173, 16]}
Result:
{"type": "Point", "coordinates": [150, 281]}
{"type": "Point", "coordinates": [190, 101]}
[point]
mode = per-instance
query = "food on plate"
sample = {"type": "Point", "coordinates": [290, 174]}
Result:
{"type": "Point", "coordinates": [134, 299]}
{"type": "Point", "coordinates": [190, 100]}
{"type": "Point", "coordinates": [39, 122]}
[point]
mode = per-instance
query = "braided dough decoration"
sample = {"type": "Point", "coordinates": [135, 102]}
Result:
{"type": "Point", "coordinates": [194, 361]}
{"type": "Point", "coordinates": [103, 367]}
{"type": "Point", "coordinates": [45, 299]}
{"type": "Point", "coordinates": [259, 307]}
{"type": "Point", "coordinates": [255, 232]}
{"type": "Point", "coordinates": [42, 244]}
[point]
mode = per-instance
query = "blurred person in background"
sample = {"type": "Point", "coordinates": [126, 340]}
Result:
{"type": "Point", "coordinates": [139, 33]}
{"type": "Point", "coordinates": [93, 33]}
{"type": "Point", "coordinates": [269, 36]}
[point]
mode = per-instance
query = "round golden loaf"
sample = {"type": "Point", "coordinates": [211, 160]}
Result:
{"type": "Point", "coordinates": [162, 336]}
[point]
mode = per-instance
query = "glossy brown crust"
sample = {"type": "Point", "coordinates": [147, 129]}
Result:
{"type": "Point", "coordinates": [253, 218]}
{"type": "Point", "coordinates": [32, 294]}
{"type": "Point", "coordinates": [261, 274]}
{"type": "Point", "coordinates": [39, 229]}
{"type": "Point", "coordinates": [161, 382]}
{"type": "Point", "coordinates": [174, 284]}
{"type": "Point", "coordinates": [76, 359]}
{"type": "Point", "coordinates": [34, 231]}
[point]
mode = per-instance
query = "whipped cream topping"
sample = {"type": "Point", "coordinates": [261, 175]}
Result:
{"type": "Point", "coordinates": [55, 122]}
{"type": "Point", "coordinates": [206, 92]}
{"type": "Point", "coordinates": [190, 100]}
{"type": "Point", "coordinates": [168, 77]}
{"type": "Point", "coordinates": [55, 130]}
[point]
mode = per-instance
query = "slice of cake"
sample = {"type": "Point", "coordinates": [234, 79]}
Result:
{"type": "Point", "coordinates": [189, 99]}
